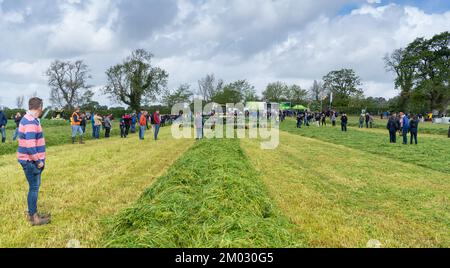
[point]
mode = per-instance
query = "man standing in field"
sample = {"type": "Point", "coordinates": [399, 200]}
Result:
{"type": "Point", "coordinates": [393, 127]}
{"type": "Point", "coordinates": [75, 121]}
{"type": "Point", "coordinates": [414, 128]}
{"type": "Point", "coordinates": [3, 122]}
{"type": "Point", "coordinates": [142, 125]}
{"type": "Point", "coordinates": [344, 122]}
{"type": "Point", "coordinates": [405, 127]}
{"type": "Point", "coordinates": [157, 121]}
{"type": "Point", "coordinates": [98, 120]}
{"type": "Point", "coordinates": [31, 155]}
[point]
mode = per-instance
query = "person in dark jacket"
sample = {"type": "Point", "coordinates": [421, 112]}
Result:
{"type": "Point", "coordinates": [344, 122]}
{"type": "Point", "coordinates": [393, 126]}
{"type": "Point", "coordinates": [17, 119]}
{"type": "Point", "coordinates": [299, 120]}
{"type": "Point", "coordinates": [3, 122]}
{"type": "Point", "coordinates": [414, 128]}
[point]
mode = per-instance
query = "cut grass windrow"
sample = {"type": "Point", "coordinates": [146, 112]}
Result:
{"type": "Point", "coordinates": [81, 186]}
{"type": "Point", "coordinates": [211, 197]}
{"type": "Point", "coordinates": [342, 197]}
{"type": "Point", "coordinates": [431, 153]}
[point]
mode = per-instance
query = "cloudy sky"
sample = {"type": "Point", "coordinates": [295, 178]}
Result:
{"type": "Point", "coordinates": [295, 41]}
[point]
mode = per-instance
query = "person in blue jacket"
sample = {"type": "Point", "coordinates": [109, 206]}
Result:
{"type": "Point", "coordinates": [93, 124]}
{"type": "Point", "coordinates": [3, 122]}
{"type": "Point", "coordinates": [133, 122]}
{"type": "Point", "coordinates": [405, 127]}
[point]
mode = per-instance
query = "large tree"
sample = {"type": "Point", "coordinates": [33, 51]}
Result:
{"type": "Point", "coordinates": [68, 83]}
{"type": "Point", "coordinates": [275, 92]}
{"type": "Point", "coordinates": [208, 87]}
{"type": "Point", "coordinates": [400, 63]}
{"type": "Point", "coordinates": [236, 92]}
{"type": "Point", "coordinates": [181, 95]}
{"type": "Point", "coordinates": [136, 81]}
{"type": "Point", "coordinates": [317, 91]}
{"type": "Point", "coordinates": [344, 84]}
{"type": "Point", "coordinates": [422, 73]}
{"type": "Point", "coordinates": [432, 61]}
{"type": "Point", "coordinates": [296, 95]}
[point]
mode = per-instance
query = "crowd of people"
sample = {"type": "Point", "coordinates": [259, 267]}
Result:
{"type": "Point", "coordinates": [401, 123]}
{"type": "Point", "coordinates": [31, 153]}
{"type": "Point", "coordinates": [129, 123]}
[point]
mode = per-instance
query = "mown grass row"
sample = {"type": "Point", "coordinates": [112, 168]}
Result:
{"type": "Point", "coordinates": [211, 197]}
{"type": "Point", "coordinates": [432, 152]}
{"type": "Point", "coordinates": [342, 197]}
{"type": "Point", "coordinates": [81, 186]}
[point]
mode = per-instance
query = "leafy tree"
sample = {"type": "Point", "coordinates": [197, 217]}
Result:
{"type": "Point", "coordinates": [400, 63]}
{"type": "Point", "coordinates": [135, 81]}
{"type": "Point", "coordinates": [344, 84]}
{"type": "Point", "coordinates": [182, 95]}
{"type": "Point", "coordinates": [208, 87]}
{"type": "Point", "coordinates": [275, 92]}
{"type": "Point", "coordinates": [317, 91]}
{"type": "Point", "coordinates": [432, 61]}
{"type": "Point", "coordinates": [68, 82]}
{"type": "Point", "coordinates": [296, 95]}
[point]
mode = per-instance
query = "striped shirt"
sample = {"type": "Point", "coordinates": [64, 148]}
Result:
{"type": "Point", "coordinates": [31, 140]}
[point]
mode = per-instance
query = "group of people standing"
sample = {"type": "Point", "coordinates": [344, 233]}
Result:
{"type": "Point", "coordinates": [404, 124]}
{"type": "Point", "coordinates": [368, 119]}
{"type": "Point", "coordinates": [127, 124]}
{"type": "Point", "coordinates": [401, 123]}
{"type": "Point", "coordinates": [318, 118]}
{"type": "Point", "coordinates": [4, 122]}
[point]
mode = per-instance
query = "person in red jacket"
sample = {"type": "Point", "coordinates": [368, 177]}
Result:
{"type": "Point", "coordinates": [157, 123]}
{"type": "Point", "coordinates": [142, 125]}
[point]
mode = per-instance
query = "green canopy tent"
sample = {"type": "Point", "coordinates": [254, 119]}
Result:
{"type": "Point", "coordinates": [299, 107]}
{"type": "Point", "coordinates": [285, 106]}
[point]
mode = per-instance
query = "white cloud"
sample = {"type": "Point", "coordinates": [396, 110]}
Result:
{"type": "Point", "coordinates": [295, 41]}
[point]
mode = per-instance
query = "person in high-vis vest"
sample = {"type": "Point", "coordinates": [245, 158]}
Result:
{"type": "Point", "coordinates": [75, 121]}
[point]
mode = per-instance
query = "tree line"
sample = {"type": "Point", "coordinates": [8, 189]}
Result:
{"type": "Point", "coordinates": [421, 70]}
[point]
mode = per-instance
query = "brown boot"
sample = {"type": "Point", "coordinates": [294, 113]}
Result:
{"type": "Point", "coordinates": [37, 220]}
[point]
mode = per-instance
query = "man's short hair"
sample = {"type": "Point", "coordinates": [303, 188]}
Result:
{"type": "Point", "coordinates": [35, 103]}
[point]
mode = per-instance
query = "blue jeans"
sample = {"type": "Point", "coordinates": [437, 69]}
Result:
{"type": "Point", "coordinates": [3, 131]}
{"type": "Point", "coordinates": [33, 175]}
{"type": "Point", "coordinates": [156, 131]}
{"type": "Point", "coordinates": [16, 134]}
{"type": "Point", "coordinates": [142, 130]}
{"type": "Point", "coordinates": [75, 130]}
{"type": "Point", "coordinates": [97, 132]}
{"type": "Point", "coordinates": [199, 133]}
{"type": "Point", "coordinates": [405, 136]}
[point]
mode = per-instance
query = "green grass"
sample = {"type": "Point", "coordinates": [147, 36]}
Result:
{"type": "Point", "coordinates": [82, 186]}
{"type": "Point", "coordinates": [55, 132]}
{"type": "Point", "coordinates": [343, 197]}
{"type": "Point", "coordinates": [319, 188]}
{"type": "Point", "coordinates": [426, 127]}
{"type": "Point", "coordinates": [433, 151]}
{"type": "Point", "coordinates": [211, 197]}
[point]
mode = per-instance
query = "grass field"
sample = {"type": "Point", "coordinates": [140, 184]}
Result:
{"type": "Point", "coordinates": [82, 186]}
{"type": "Point", "coordinates": [319, 188]}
